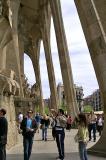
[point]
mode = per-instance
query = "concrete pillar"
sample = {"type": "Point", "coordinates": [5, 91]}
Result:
{"type": "Point", "coordinates": [92, 15]}
{"type": "Point", "coordinates": [35, 53]}
{"type": "Point", "coordinates": [50, 69]}
{"type": "Point", "coordinates": [13, 20]}
{"type": "Point", "coordinates": [64, 57]}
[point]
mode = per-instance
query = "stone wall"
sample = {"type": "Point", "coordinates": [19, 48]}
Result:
{"type": "Point", "coordinates": [24, 104]}
{"type": "Point", "coordinates": [8, 104]}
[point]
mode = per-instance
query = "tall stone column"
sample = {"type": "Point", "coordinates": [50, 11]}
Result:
{"type": "Point", "coordinates": [21, 52]}
{"type": "Point", "coordinates": [3, 58]}
{"type": "Point", "coordinates": [92, 15]}
{"type": "Point", "coordinates": [50, 69]}
{"type": "Point", "coordinates": [13, 19]}
{"type": "Point", "coordinates": [5, 38]}
{"type": "Point", "coordinates": [64, 57]}
{"type": "Point", "coordinates": [35, 53]}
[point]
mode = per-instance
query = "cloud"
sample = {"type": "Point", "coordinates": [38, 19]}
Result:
{"type": "Point", "coordinates": [82, 68]}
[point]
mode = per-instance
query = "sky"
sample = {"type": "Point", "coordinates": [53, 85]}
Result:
{"type": "Point", "coordinates": [82, 68]}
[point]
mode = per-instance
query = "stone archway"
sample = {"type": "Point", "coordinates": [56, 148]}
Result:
{"type": "Point", "coordinates": [32, 22]}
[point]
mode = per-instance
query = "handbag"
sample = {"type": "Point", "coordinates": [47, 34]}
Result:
{"type": "Point", "coordinates": [42, 126]}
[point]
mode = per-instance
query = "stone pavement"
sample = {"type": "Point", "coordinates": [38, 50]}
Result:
{"type": "Point", "coordinates": [48, 150]}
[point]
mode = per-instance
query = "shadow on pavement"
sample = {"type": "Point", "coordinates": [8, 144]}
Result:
{"type": "Point", "coordinates": [51, 156]}
{"type": "Point", "coordinates": [43, 156]}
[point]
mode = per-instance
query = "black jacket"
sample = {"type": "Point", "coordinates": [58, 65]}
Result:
{"type": "Point", "coordinates": [23, 127]}
{"type": "Point", "coordinates": [3, 130]}
{"type": "Point", "coordinates": [46, 122]}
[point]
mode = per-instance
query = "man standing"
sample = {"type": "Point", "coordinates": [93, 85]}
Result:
{"type": "Point", "coordinates": [92, 119]}
{"type": "Point", "coordinates": [38, 120]}
{"type": "Point", "coordinates": [3, 134]}
{"type": "Point", "coordinates": [28, 127]}
{"type": "Point", "coordinates": [20, 118]}
{"type": "Point", "coordinates": [60, 124]}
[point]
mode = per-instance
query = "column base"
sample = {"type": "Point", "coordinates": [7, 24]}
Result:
{"type": "Point", "coordinates": [99, 149]}
{"type": "Point", "coordinates": [97, 153]}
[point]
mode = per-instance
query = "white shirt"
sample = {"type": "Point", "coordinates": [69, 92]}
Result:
{"type": "Point", "coordinates": [100, 122]}
{"type": "Point", "coordinates": [20, 117]}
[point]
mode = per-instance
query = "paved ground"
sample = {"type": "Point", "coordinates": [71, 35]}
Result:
{"type": "Point", "coordinates": [48, 150]}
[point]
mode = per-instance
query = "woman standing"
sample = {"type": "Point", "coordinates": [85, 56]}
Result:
{"type": "Point", "coordinates": [82, 136]}
{"type": "Point", "coordinates": [60, 125]}
{"type": "Point", "coordinates": [44, 126]}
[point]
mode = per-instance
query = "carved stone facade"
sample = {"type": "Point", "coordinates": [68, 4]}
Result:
{"type": "Point", "coordinates": [7, 102]}
{"type": "Point", "coordinates": [22, 28]}
{"type": "Point", "coordinates": [24, 23]}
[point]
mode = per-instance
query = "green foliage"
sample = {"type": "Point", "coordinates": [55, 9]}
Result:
{"type": "Point", "coordinates": [64, 107]}
{"type": "Point", "coordinates": [88, 108]}
{"type": "Point", "coordinates": [37, 109]}
{"type": "Point", "coordinates": [46, 110]}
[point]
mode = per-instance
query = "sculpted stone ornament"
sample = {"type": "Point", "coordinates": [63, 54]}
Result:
{"type": "Point", "coordinates": [35, 92]}
{"type": "Point", "coordinates": [26, 86]}
{"type": "Point", "coordinates": [8, 84]}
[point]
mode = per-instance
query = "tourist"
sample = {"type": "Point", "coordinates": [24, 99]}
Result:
{"type": "Point", "coordinates": [20, 118]}
{"type": "Point", "coordinates": [52, 119]}
{"type": "Point", "coordinates": [38, 120]}
{"type": "Point", "coordinates": [44, 126]}
{"type": "Point", "coordinates": [28, 127]}
{"type": "Point", "coordinates": [82, 136]}
{"type": "Point", "coordinates": [100, 123]}
{"type": "Point", "coordinates": [69, 123]}
{"type": "Point", "coordinates": [3, 134]}
{"type": "Point", "coordinates": [60, 124]}
{"type": "Point", "coordinates": [92, 120]}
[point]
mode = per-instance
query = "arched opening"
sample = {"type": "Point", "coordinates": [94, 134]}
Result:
{"type": "Point", "coordinates": [44, 74]}
{"type": "Point", "coordinates": [28, 69]}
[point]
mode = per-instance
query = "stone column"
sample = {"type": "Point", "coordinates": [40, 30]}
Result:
{"type": "Point", "coordinates": [13, 20]}
{"type": "Point", "coordinates": [35, 53]}
{"type": "Point", "coordinates": [5, 38]}
{"type": "Point", "coordinates": [21, 52]}
{"type": "Point", "coordinates": [3, 58]}
{"type": "Point", "coordinates": [50, 69]}
{"type": "Point", "coordinates": [92, 15]}
{"type": "Point", "coordinates": [64, 57]}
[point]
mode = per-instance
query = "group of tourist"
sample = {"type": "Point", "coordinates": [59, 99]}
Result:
{"type": "Point", "coordinates": [29, 125]}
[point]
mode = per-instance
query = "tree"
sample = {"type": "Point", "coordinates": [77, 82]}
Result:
{"type": "Point", "coordinates": [88, 108]}
{"type": "Point", "coordinates": [46, 110]}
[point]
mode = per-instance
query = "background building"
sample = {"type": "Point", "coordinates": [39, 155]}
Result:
{"type": "Point", "coordinates": [94, 100]}
{"type": "Point", "coordinates": [61, 95]}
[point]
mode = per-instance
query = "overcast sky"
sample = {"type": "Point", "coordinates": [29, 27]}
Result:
{"type": "Point", "coordinates": [82, 68]}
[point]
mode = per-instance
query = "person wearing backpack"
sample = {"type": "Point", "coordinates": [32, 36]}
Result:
{"type": "Point", "coordinates": [60, 125]}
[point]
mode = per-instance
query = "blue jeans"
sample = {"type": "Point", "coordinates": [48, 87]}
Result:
{"type": "Point", "coordinates": [90, 128]}
{"type": "Point", "coordinates": [44, 133]}
{"type": "Point", "coordinates": [83, 151]}
{"type": "Point", "coordinates": [27, 144]}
